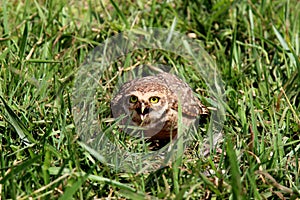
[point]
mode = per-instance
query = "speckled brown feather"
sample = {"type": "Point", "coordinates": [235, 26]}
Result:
{"type": "Point", "coordinates": [173, 89]}
{"type": "Point", "coordinates": [189, 103]}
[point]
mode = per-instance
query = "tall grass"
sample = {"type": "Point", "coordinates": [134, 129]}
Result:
{"type": "Point", "coordinates": [255, 46]}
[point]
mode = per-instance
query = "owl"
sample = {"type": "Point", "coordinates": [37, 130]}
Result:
{"type": "Point", "coordinates": [151, 104]}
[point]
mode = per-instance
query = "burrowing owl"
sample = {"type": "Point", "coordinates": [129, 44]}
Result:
{"type": "Point", "coordinates": [152, 103]}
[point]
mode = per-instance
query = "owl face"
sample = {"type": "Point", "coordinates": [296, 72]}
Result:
{"type": "Point", "coordinates": [146, 109]}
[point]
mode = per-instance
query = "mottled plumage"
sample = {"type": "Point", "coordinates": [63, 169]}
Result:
{"type": "Point", "coordinates": [152, 102]}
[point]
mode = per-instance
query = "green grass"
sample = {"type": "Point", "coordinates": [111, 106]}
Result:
{"type": "Point", "coordinates": [255, 45]}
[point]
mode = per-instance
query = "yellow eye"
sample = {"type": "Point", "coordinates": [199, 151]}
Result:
{"type": "Point", "coordinates": [133, 99]}
{"type": "Point", "coordinates": [154, 100]}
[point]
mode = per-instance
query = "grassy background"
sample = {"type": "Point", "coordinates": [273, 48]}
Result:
{"type": "Point", "coordinates": [255, 45]}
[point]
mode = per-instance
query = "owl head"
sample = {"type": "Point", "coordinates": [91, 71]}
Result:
{"type": "Point", "coordinates": [146, 104]}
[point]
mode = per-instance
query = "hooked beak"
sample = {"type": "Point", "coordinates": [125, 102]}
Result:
{"type": "Point", "coordinates": [143, 108]}
{"type": "Point", "coordinates": [143, 115]}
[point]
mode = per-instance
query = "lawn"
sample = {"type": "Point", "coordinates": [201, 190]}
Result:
{"type": "Point", "coordinates": [252, 46]}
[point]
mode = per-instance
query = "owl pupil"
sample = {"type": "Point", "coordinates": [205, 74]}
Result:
{"type": "Point", "coordinates": [154, 99]}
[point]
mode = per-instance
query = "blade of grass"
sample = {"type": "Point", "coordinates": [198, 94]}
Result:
{"type": "Point", "coordinates": [179, 149]}
{"type": "Point", "coordinates": [285, 45]}
{"type": "Point", "coordinates": [70, 191]}
{"type": "Point", "coordinates": [23, 42]}
{"type": "Point", "coordinates": [93, 152]}
{"type": "Point", "coordinates": [19, 126]}
{"type": "Point", "coordinates": [19, 168]}
{"type": "Point", "coordinates": [120, 13]}
{"type": "Point", "coordinates": [236, 185]}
